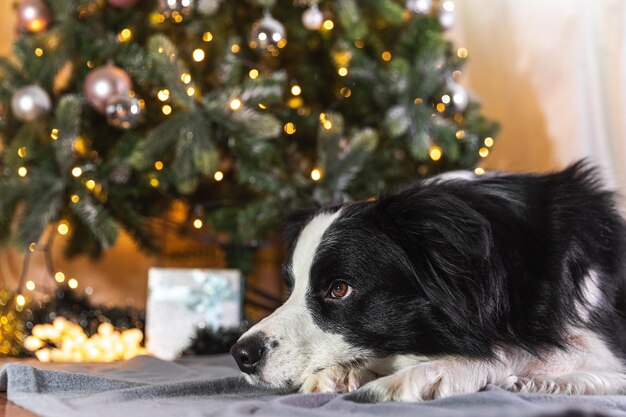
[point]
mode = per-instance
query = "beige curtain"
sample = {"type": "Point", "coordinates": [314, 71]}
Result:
{"type": "Point", "coordinates": [553, 72]}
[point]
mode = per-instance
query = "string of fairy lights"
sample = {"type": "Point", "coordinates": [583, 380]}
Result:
{"type": "Point", "coordinates": [199, 55]}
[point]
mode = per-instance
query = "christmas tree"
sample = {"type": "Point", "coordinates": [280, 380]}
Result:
{"type": "Point", "coordinates": [244, 110]}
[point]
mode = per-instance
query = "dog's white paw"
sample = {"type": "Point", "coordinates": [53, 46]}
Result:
{"type": "Point", "coordinates": [337, 379]}
{"type": "Point", "coordinates": [426, 381]}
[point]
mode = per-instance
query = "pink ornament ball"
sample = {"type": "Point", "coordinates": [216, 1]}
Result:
{"type": "Point", "coordinates": [32, 15]}
{"type": "Point", "coordinates": [105, 82]}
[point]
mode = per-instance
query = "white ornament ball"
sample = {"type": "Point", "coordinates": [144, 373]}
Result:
{"type": "Point", "coordinates": [30, 103]}
{"type": "Point", "coordinates": [459, 98]}
{"type": "Point", "coordinates": [312, 18]}
{"type": "Point", "coordinates": [446, 14]}
{"type": "Point", "coordinates": [267, 35]}
{"type": "Point", "coordinates": [419, 6]}
{"type": "Point", "coordinates": [123, 112]}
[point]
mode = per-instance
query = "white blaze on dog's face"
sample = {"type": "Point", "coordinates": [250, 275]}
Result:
{"type": "Point", "coordinates": [288, 346]}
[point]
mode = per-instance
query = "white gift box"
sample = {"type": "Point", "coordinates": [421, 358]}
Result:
{"type": "Point", "coordinates": [182, 300]}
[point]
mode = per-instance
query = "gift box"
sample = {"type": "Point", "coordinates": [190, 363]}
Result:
{"type": "Point", "coordinates": [180, 301]}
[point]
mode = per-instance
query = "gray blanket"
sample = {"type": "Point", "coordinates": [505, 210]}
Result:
{"type": "Point", "coordinates": [148, 387]}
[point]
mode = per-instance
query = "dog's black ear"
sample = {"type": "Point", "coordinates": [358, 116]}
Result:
{"type": "Point", "coordinates": [446, 241]}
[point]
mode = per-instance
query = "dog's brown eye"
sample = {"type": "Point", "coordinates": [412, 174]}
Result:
{"type": "Point", "coordinates": [339, 290]}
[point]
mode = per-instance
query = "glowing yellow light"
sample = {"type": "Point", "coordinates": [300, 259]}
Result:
{"type": "Point", "coordinates": [235, 104]}
{"type": "Point", "coordinates": [156, 18]}
{"type": "Point", "coordinates": [296, 90]}
{"type": "Point", "coordinates": [460, 134]}
{"type": "Point", "coordinates": [59, 277]}
{"type": "Point", "coordinates": [448, 6]}
{"type": "Point", "coordinates": [125, 35]}
{"type": "Point", "coordinates": [328, 125]}
{"type": "Point", "coordinates": [75, 198]}
{"type": "Point", "coordinates": [234, 48]}
{"type": "Point", "coordinates": [185, 77]}
{"type": "Point", "coordinates": [254, 73]}
{"type": "Point", "coordinates": [345, 91]}
{"type": "Point", "coordinates": [359, 43]}
{"type": "Point", "coordinates": [177, 17]}
{"type": "Point", "coordinates": [38, 51]}
{"type": "Point", "coordinates": [386, 56]}
{"type": "Point", "coordinates": [343, 71]}
{"type": "Point", "coordinates": [328, 24]}
{"type": "Point", "coordinates": [63, 228]}
{"type": "Point", "coordinates": [262, 106]}
{"type": "Point", "coordinates": [32, 247]}
{"type": "Point", "coordinates": [316, 174]}
{"type": "Point", "coordinates": [33, 343]}
{"type": "Point", "coordinates": [154, 182]}
{"type": "Point", "coordinates": [462, 53]}
{"type": "Point", "coordinates": [22, 171]}
{"type": "Point", "coordinates": [197, 223]}
{"type": "Point", "coordinates": [290, 128]}
{"type": "Point", "coordinates": [89, 64]}
{"type": "Point", "coordinates": [191, 91]}
{"type": "Point", "coordinates": [479, 171]}
{"type": "Point", "coordinates": [418, 100]}
{"type": "Point", "coordinates": [166, 109]}
{"type": "Point", "coordinates": [54, 134]}
{"type": "Point", "coordinates": [207, 36]}
{"type": "Point", "coordinates": [483, 152]}
{"type": "Point", "coordinates": [295, 102]}
{"type": "Point", "coordinates": [198, 55]}
{"type": "Point", "coordinates": [20, 300]}
{"type": "Point", "coordinates": [435, 153]}
{"type": "Point", "coordinates": [163, 95]}
{"type": "Point", "coordinates": [489, 142]}
{"type": "Point", "coordinates": [218, 176]}
{"type": "Point", "coordinates": [21, 152]}
{"type": "Point", "coordinates": [80, 145]}
{"type": "Point", "coordinates": [158, 165]}
{"type": "Point", "coordinates": [90, 184]}
{"type": "Point", "coordinates": [72, 283]}
{"type": "Point", "coordinates": [445, 99]}
{"type": "Point", "coordinates": [30, 285]}
{"type": "Point", "coordinates": [441, 107]}
{"type": "Point", "coordinates": [77, 172]}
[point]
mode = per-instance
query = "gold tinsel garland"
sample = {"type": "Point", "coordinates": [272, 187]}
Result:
{"type": "Point", "coordinates": [11, 325]}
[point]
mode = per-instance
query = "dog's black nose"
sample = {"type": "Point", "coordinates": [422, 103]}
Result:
{"type": "Point", "coordinates": [248, 353]}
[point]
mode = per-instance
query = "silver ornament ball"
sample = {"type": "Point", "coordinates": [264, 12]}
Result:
{"type": "Point", "coordinates": [103, 83]}
{"type": "Point", "coordinates": [30, 103]}
{"type": "Point", "coordinates": [124, 112]}
{"type": "Point", "coordinates": [312, 18]}
{"type": "Point", "coordinates": [419, 6]}
{"type": "Point", "coordinates": [182, 7]}
{"type": "Point", "coordinates": [267, 35]}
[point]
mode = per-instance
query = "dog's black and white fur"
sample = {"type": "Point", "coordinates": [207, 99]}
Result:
{"type": "Point", "coordinates": [452, 284]}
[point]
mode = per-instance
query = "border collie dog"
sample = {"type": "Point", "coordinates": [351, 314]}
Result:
{"type": "Point", "coordinates": [451, 284]}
